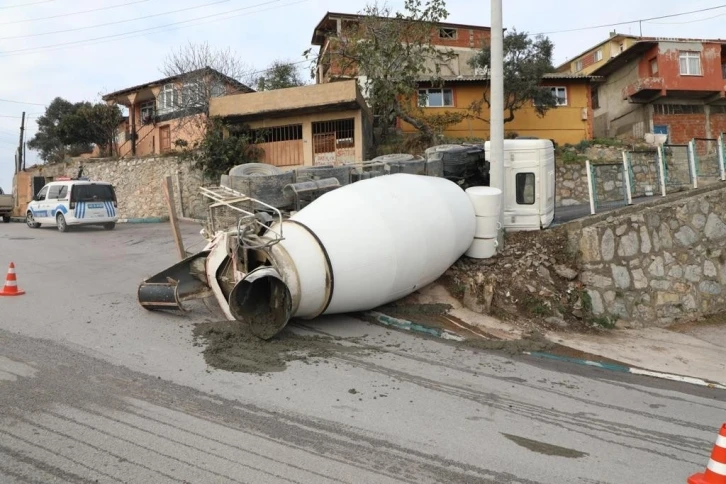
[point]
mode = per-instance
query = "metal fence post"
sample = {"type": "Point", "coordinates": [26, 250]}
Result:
{"type": "Point", "coordinates": [590, 191]}
{"type": "Point", "coordinates": [692, 162]}
{"type": "Point", "coordinates": [626, 176]}
{"type": "Point", "coordinates": [661, 169]}
{"type": "Point", "coordinates": [721, 167]}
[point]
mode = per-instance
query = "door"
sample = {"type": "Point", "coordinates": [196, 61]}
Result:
{"type": "Point", "coordinates": [51, 200]}
{"type": "Point", "coordinates": [164, 139]}
{"type": "Point", "coordinates": [38, 184]}
{"type": "Point", "coordinates": [40, 207]}
{"type": "Point", "coordinates": [93, 202]}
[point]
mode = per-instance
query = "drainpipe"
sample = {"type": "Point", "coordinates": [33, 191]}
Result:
{"type": "Point", "coordinates": [132, 119]}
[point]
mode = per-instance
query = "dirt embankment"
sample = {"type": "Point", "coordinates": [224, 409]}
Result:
{"type": "Point", "coordinates": [533, 283]}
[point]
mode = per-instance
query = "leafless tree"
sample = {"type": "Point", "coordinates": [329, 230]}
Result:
{"type": "Point", "coordinates": [200, 73]}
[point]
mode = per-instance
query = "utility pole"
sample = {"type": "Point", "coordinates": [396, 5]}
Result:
{"type": "Point", "coordinates": [496, 116]}
{"type": "Point", "coordinates": [20, 145]}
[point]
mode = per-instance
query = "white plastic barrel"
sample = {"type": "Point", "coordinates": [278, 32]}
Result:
{"type": "Point", "coordinates": [482, 249]}
{"type": "Point", "coordinates": [485, 200]}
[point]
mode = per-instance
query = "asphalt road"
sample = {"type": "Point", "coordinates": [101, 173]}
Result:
{"type": "Point", "coordinates": [95, 389]}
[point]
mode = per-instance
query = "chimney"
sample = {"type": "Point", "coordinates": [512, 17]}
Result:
{"type": "Point", "coordinates": [613, 33]}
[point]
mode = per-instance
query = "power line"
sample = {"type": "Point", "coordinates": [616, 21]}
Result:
{"type": "Point", "coordinates": [20, 102]}
{"type": "Point", "coordinates": [633, 21]}
{"type": "Point", "coordinates": [125, 35]}
{"type": "Point", "coordinates": [116, 22]}
{"type": "Point", "coordinates": [26, 4]}
{"type": "Point", "coordinates": [688, 21]}
{"type": "Point", "coordinates": [79, 12]}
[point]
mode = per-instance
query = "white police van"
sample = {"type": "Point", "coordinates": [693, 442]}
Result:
{"type": "Point", "coordinates": [66, 202]}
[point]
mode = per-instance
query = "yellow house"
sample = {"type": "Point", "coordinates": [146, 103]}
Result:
{"type": "Point", "coordinates": [595, 57]}
{"type": "Point", "coordinates": [569, 122]}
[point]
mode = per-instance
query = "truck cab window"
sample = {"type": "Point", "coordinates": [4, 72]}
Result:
{"type": "Point", "coordinates": [525, 188]}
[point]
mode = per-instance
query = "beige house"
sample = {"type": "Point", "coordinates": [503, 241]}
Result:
{"type": "Point", "coordinates": [324, 124]}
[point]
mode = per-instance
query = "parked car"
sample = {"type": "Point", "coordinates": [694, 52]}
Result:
{"type": "Point", "coordinates": [73, 202]}
{"type": "Point", "coordinates": [6, 206]}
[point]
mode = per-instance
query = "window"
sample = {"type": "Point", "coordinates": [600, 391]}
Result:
{"type": "Point", "coordinates": [690, 63]}
{"type": "Point", "coordinates": [447, 34]}
{"type": "Point", "coordinates": [654, 66]}
{"type": "Point", "coordinates": [525, 188]}
{"type": "Point", "coordinates": [598, 55]}
{"type": "Point", "coordinates": [595, 97]}
{"type": "Point", "coordinates": [93, 193]}
{"type": "Point", "coordinates": [41, 194]}
{"type": "Point", "coordinates": [560, 94]}
{"type": "Point", "coordinates": [578, 66]}
{"type": "Point", "coordinates": [147, 111]}
{"type": "Point", "coordinates": [435, 98]}
{"type": "Point", "coordinates": [168, 98]}
{"type": "Point", "coordinates": [218, 89]}
{"type": "Point", "coordinates": [63, 193]}
{"type": "Point", "coordinates": [53, 192]}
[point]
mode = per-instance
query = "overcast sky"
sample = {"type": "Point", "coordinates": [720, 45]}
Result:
{"type": "Point", "coordinates": [36, 66]}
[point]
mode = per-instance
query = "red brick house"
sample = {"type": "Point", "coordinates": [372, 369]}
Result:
{"type": "Point", "coordinates": [668, 86]}
{"type": "Point", "coordinates": [464, 40]}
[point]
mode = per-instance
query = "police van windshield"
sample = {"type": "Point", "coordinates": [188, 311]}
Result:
{"type": "Point", "coordinates": [87, 193]}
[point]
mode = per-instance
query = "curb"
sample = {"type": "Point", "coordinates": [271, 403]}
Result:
{"type": "Point", "coordinates": [631, 370]}
{"type": "Point", "coordinates": [413, 327]}
{"type": "Point", "coordinates": [148, 220]}
{"type": "Point", "coordinates": [449, 335]}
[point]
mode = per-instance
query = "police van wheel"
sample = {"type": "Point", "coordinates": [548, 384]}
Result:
{"type": "Point", "coordinates": [109, 226]}
{"type": "Point", "coordinates": [6, 219]}
{"type": "Point", "coordinates": [31, 221]}
{"type": "Point", "coordinates": [60, 222]}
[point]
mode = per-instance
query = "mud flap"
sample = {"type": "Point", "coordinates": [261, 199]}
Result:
{"type": "Point", "coordinates": [181, 282]}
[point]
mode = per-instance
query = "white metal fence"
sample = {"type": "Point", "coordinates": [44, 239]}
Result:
{"type": "Point", "coordinates": [665, 169]}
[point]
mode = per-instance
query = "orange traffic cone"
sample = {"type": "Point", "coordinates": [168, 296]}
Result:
{"type": "Point", "coordinates": [716, 468]}
{"type": "Point", "coordinates": [11, 284]}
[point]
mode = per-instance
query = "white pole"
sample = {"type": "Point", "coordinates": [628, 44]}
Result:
{"type": "Point", "coordinates": [589, 187]}
{"type": "Point", "coordinates": [721, 167]}
{"type": "Point", "coordinates": [626, 175]}
{"type": "Point", "coordinates": [661, 165]}
{"type": "Point", "coordinates": [496, 112]}
{"type": "Point", "coordinates": [692, 162]}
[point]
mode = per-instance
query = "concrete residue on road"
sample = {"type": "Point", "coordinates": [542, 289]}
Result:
{"type": "Point", "coordinates": [231, 346]}
{"type": "Point", "coordinates": [544, 448]}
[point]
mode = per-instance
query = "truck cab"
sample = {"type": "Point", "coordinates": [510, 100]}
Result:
{"type": "Point", "coordinates": [529, 178]}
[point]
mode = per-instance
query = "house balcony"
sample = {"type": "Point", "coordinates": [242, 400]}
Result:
{"type": "Point", "coordinates": [645, 90]}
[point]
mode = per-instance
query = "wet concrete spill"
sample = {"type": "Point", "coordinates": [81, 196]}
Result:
{"type": "Point", "coordinates": [535, 342]}
{"type": "Point", "coordinates": [544, 448]}
{"type": "Point", "coordinates": [231, 346]}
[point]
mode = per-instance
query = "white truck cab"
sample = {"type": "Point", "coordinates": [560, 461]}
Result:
{"type": "Point", "coordinates": [529, 183]}
{"type": "Point", "coordinates": [66, 202]}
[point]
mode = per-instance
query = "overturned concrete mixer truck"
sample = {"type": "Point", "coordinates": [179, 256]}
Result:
{"type": "Point", "coordinates": [352, 249]}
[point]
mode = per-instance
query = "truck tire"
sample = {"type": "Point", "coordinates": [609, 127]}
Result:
{"type": "Point", "coordinates": [60, 222]}
{"type": "Point", "coordinates": [6, 219]}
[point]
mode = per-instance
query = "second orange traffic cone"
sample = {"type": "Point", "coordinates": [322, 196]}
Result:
{"type": "Point", "coordinates": [11, 284]}
{"type": "Point", "coordinates": [716, 468]}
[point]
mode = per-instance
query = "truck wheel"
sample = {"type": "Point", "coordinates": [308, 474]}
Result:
{"type": "Point", "coordinates": [31, 221]}
{"type": "Point", "coordinates": [60, 222]}
{"type": "Point", "coordinates": [109, 226]}
{"type": "Point", "coordinates": [6, 219]}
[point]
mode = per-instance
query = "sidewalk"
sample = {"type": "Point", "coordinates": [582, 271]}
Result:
{"type": "Point", "coordinates": [653, 349]}
{"type": "Point", "coordinates": [699, 354]}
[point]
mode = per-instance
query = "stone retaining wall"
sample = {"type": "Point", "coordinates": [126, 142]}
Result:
{"type": "Point", "coordinates": [138, 184]}
{"type": "Point", "coordinates": [656, 262]}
